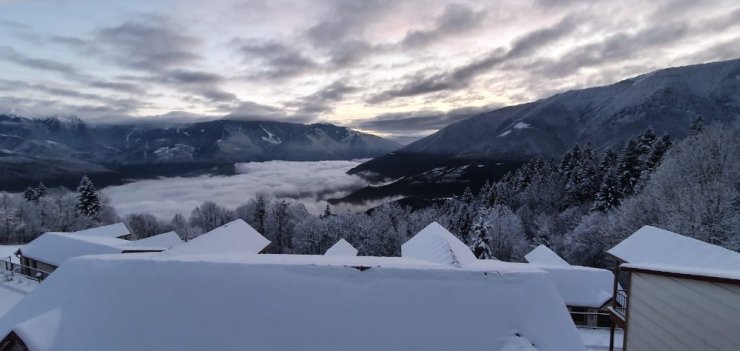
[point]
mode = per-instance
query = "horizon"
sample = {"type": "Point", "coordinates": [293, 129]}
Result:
{"type": "Point", "coordinates": [400, 70]}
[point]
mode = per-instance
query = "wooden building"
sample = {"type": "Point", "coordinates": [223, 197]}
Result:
{"type": "Point", "coordinates": [672, 292]}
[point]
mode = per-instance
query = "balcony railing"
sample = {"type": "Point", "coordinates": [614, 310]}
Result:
{"type": "Point", "coordinates": [13, 268]}
{"type": "Point", "coordinates": [620, 302]}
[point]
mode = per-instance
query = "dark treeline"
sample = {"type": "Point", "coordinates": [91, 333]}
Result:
{"type": "Point", "coordinates": [579, 205]}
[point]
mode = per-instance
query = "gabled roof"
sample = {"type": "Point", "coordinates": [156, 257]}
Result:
{"type": "Point", "coordinates": [164, 241]}
{"type": "Point", "coordinates": [56, 248]}
{"type": "Point", "coordinates": [233, 237]}
{"type": "Point", "coordinates": [115, 230]}
{"type": "Point", "coordinates": [581, 286]}
{"type": "Point", "coordinates": [234, 302]}
{"type": "Point", "coordinates": [651, 245]}
{"type": "Point", "coordinates": [543, 255]}
{"type": "Point", "coordinates": [436, 244]}
{"type": "Point", "coordinates": [341, 248]}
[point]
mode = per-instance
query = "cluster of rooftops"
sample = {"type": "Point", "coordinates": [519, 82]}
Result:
{"type": "Point", "coordinates": [218, 291]}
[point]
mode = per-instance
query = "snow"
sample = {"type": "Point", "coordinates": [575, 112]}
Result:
{"type": "Point", "coordinates": [581, 286]}
{"type": "Point", "coordinates": [598, 339]}
{"type": "Point", "coordinates": [271, 138]}
{"type": "Point", "coordinates": [341, 248]}
{"type": "Point", "coordinates": [435, 244]}
{"type": "Point", "coordinates": [706, 272]}
{"type": "Point", "coordinates": [655, 246]}
{"type": "Point", "coordinates": [107, 231]}
{"type": "Point", "coordinates": [56, 248]}
{"type": "Point", "coordinates": [543, 255]}
{"type": "Point", "coordinates": [9, 251]}
{"type": "Point", "coordinates": [164, 240]}
{"type": "Point", "coordinates": [235, 302]}
{"type": "Point", "coordinates": [522, 125]}
{"type": "Point", "coordinates": [233, 237]}
{"type": "Point", "coordinates": [505, 133]}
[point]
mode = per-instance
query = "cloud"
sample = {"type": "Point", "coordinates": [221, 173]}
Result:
{"type": "Point", "coordinates": [415, 122]}
{"type": "Point", "coordinates": [456, 18]}
{"type": "Point", "coordinates": [321, 101]}
{"type": "Point", "coordinates": [10, 54]}
{"type": "Point", "coordinates": [423, 83]}
{"type": "Point", "coordinates": [151, 43]}
{"type": "Point", "coordinates": [274, 59]}
{"type": "Point", "coordinates": [307, 182]}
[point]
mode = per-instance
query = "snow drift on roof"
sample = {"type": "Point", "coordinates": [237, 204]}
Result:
{"type": "Point", "coordinates": [543, 255]}
{"type": "Point", "coordinates": [164, 241]}
{"type": "Point", "coordinates": [341, 248]}
{"type": "Point", "coordinates": [435, 244]}
{"type": "Point", "coordinates": [107, 231]}
{"type": "Point", "coordinates": [212, 303]}
{"type": "Point", "coordinates": [651, 245]}
{"type": "Point", "coordinates": [56, 248]}
{"type": "Point", "coordinates": [581, 286]}
{"type": "Point", "coordinates": [233, 237]}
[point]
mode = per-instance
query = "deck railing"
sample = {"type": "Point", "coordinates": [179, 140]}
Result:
{"type": "Point", "coordinates": [25, 271]}
{"type": "Point", "coordinates": [620, 301]}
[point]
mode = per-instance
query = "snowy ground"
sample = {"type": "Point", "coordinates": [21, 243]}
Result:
{"type": "Point", "coordinates": [8, 250]}
{"type": "Point", "coordinates": [12, 291]}
{"type": "Point", "coordinates": [598, 339]}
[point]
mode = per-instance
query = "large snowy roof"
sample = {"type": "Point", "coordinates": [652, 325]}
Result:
{"type": "Point", "coordinates": [651, 245]}
{"type": "Point", "coordinates": [164, 240]}
{"type": "Point", "coordinates": [341, 248]}
{"type": "Point", "coordinates": [233, 237]}
{"type": "Point", "coordinates": [115, 230]}
{"type": "Point", "coordinates": [320, 303]}
{"type": "Point", "coordinates": [543, 255]}
{"type": "Point", "coordinates": [436, 244]}
{"type": "Point", "coordinates": [56, 248]}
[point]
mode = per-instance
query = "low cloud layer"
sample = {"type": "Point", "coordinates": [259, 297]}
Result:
{"type": "Point", "coordinates": [307, 182]}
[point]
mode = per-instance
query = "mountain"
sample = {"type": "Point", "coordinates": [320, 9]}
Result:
{"type": "Point", "coordinates": [53, 148]}
{"type": "Point", "coordinates": [667, 101]}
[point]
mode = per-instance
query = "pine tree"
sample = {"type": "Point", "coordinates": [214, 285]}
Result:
{"type": "Point", "coordinates": [327, 212]}
{"type": "Point", "coordinates": [260, 213]}
{"type": "Point", "coordinates": [658, 151]}
{"type": "Point", "coordinates": [282, 235]}
{"type": "Point", "coordinates": [697, 126]}
{"type": "Point", "coordinates": [30, 194]}
{"type": "Point", "coordinates": [481, 245]}
{"type": "Point", "coordinates": [628, 169]}
{"type": "Point", "coordinates": [646, 141]}
{"type": "Point", "coordinates": [88, 201]}
{"type": "Point", "coordinates": [609, 194]}
{"type": "Point", "coordinates": [41, 190]}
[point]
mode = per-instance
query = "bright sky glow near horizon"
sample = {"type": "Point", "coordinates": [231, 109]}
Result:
{"type": "Point", "coordinates": [395, 68]}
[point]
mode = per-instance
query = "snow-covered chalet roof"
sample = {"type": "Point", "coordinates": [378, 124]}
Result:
{"type": "Point", "coordinates": [233, 237]}
{"type": "Point", "coordinates": [341, 248]}
{"type": "Point", "coordinates": [164, 240]}
{"type": "Point", "coordinates": [655, 246]}
{"type": "Point", "coordinates": [329, 303]}
{"type": "Point", "coordinates": [436, 244]}
{"type": "Point", "coordinates": [581, 286]}
{"type": "Point", "coordinates": [56, 248]}
{"type": "Point", "coordinates": [115, 230]}
{"type": "Point", "coordinates": [543, 255]}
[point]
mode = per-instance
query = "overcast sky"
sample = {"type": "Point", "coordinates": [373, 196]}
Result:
{"type": "Point", "coordinates": [393, 67]}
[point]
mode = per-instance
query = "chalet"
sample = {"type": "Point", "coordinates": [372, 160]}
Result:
{"type": "Point", "coordinates": [585, 290]}
{"type": "Point", "coordinates": [332, 303]}
{"type": "Point", "coordinates": [341, 248]}
{"type": "Point", "coordinates": [116, 230]}
{"type": "Point", "coordinates": [679, 293]}
{"type": "Point", "coordinates": [436, 244]}
{"type": "Point", "coordinates": [235, 237]}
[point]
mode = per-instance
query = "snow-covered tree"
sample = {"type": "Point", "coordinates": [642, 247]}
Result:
{"type": "Point", "coordinates": [88, 202]}
{"type": "Point", "coordinates": [209, 216]}
{"type": "Point", "coordinates": [144, 225]}
{"type": "Point", "coordinates": [506, 232]}
{"type": "Point", "coordinates": [481, 245]}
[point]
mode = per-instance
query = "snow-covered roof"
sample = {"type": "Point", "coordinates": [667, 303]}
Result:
{"type": "Point", "coordinates": [56, 248]}
{"type": "Point", "coordinates": [233, 237]}
{"type": "Point", "coordinates": [651, 245]}
{"type": "Point", "coordinates": [341, 248]}
{"type": "Point", "coordinates": [436, 244]}
{"type": "Point", "coordinates": [164, 240]}
{"type": "Point", "coordinates": [581, 286]}
{"type": "Point", "coordinates": [730, 274]}
{"type": "Point", "coordinates": [115, 230]}
{"type": "Point", "coordinates": [543, 255]}
{"type": "Point", "coordinates": [234, 302]}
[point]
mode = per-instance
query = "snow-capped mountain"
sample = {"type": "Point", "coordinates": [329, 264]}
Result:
{"type": "Point", "coordinates": [46, 148]}
{"type": "Point", "coordinates": [667, 100]}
